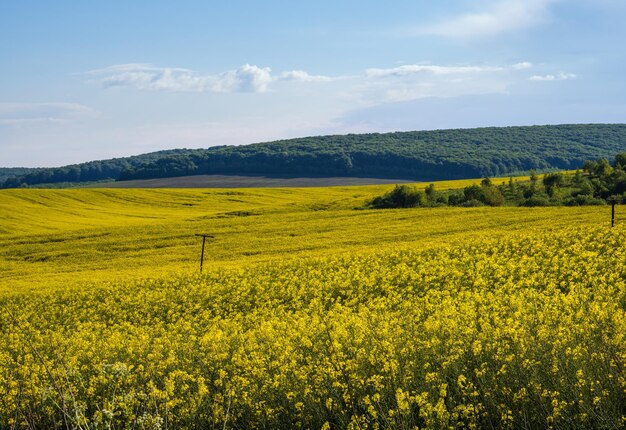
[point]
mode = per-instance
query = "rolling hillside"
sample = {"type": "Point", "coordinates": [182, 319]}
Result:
{"type": "Point", "coordinates": [309, 314]}
{"type": "Point", "coordinates": [419, 155]}
{"type": "Point", "coordinates": [65, 238]}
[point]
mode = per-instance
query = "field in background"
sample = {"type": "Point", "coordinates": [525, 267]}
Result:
{"type": "Point", "coordinates": [230, 181]}
{"type": "Point", "coordinates": [67, 238]}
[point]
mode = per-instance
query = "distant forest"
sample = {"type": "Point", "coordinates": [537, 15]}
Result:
{"type": "Point", "coordinates": [418, 155]}
{"type": "Point", "coordinates": [8, 172]}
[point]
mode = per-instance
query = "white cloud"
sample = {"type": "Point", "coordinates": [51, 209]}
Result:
{"type": "Point", "coordinates": [412, 69]}
{"type": "Point", "coordinates": [302, 76]}
{"type": "Point", "coordinates": [407, 70]}
{"type": "Point", "coordinates": [246, 79]}
{"type": "Point", "coordinates": [499, 17]}
{"type": "Point", "coordinates": [25, 113]}
{"type": "Point", "coordinates": [558, 77]}
{"type": "Point", "coordinates": [522, 66]}
{"type": "Point", "coordinates": [372, 86]}
{"type": "Point", "coordinates": [418, 81]}
{"type": "Point", "coordinates": [403, 82]}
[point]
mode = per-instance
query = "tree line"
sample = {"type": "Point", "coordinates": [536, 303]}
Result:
{"type": "Point", "coordinates": [85, 172]}
{"type": "Point", "coordinates": [418, 155]}
{"type": "Point", "coordinates": [10, 172]}
{"type": "Point", "coordinates": [598, 183]}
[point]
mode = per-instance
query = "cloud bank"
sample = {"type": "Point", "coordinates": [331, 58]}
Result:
{"type": "Point", "coordinates": [405, 82]}
{"type": "Point", "coordinates": [245, 79]}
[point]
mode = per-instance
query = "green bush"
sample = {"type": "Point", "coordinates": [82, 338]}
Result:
{"type": "Point", "coordinates": [584, 200]}
{"type": "Point", "coordinates": [535, 201]}
{"type": "Point", "coordinates": [402, 196]}
{"type": "Point", "coordinates": [472, 203]}
{"type": "Point", "coordinates": [493, 196]}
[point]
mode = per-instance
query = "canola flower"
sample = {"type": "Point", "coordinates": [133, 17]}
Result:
{"type": "Point", "coordinates": [59, 239]}
{"type": "Point", "coordinates": [518, 332]}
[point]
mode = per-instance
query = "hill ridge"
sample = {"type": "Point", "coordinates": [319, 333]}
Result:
{"type": "Point", "coordinates": [416, 155]}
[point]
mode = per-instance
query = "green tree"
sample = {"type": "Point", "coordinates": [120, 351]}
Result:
{"type": "Point", "coordinates": [620, 161]}
{"type": "Point", "coordinates": [431, 193]}
{"type": "Point", "coordinates": [552, 182]}
{"type": "Point", "coordinates": [473, 192]}
{"type": "Point", "coordinates": [492, 196]}
{"type": "Point", "coordinates": [402, 196]}
{"type": "Point", "coordinates": [603, 168]}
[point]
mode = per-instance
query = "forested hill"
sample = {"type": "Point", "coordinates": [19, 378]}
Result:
{"type": "Point", "coordinates": [90, 171]}
{"type": "Point", "coordinates": [8, 172]}
{"type": "Point", "coordinates": [418, 155]}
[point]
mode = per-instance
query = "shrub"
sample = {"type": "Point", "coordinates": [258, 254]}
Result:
{"type": "Point", "coordinates": [493, 196]}
{"type": "Point", "coordinates": [584, 200]}
{"type": "Point", "coordinates": [535, 201]}
{"type": "Point", "coordinates": [552, 182]}
{"type": "Point", "coordinates": [472, 203]}
{"type": "Point", "coordinates": [487, 195]}
{"type": "Point", "coordinates": [473, 192]}
{"type": "Point", "coordinates": [402, 196]}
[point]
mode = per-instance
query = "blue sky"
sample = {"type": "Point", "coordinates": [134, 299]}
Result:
{"type": "Point", "coordinates": [91, 80]}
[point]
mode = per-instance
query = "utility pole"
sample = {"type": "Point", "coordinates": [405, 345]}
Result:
{"type": "Point", "coordinates": [613, 200]}
{"type": "Point", "coordinates": [203, 236]}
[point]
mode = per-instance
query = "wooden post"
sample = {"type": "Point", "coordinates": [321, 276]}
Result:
{"type": "Point", "coordinates": [613, 213]}
{"type": "Point", "coordinates": [202, 254]}
{"type": "Point", "coordinates": [204, 236]}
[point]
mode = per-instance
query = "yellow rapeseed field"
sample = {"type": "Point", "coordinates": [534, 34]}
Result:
{"type": "Point", "coordinates": [311, 314]}
{"type": "Point", "coordinates": [68, 238]}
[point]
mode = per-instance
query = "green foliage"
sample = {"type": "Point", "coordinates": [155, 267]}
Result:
{"type": "Point", "coordinates": [102, 170]}
{"type": "Point", "coordinates": [419, 155]}
{"type": "Point", "coordinates": [492, 196]}
{"type": "Point", "coordinates": [402, 196]}
{"type": "Point", "coordinates": [552, 182]}
{"type": "Point", "coordinates": [583, 200]}
{"type": "Point", "coordinates": [600, 183]}
{"type": "Point", "coordinates": [475, 195]}
{"type": "Point", "coordinates": [406, 196]}
{"type": "Point", "coordinates": [471, 203]}
{"type": "Point", "coordinates": [585, 187]}
{"type": "Point", "coordinates": [11, 172]}
{"type": "Point", "coordinates": [535, 201]}
{"type": "Point", "coordinates": [473, 192]}
{"type": "Point", "coordinates": [431, 193]}
{"type": "Point", "coordinates": [620, 161]}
